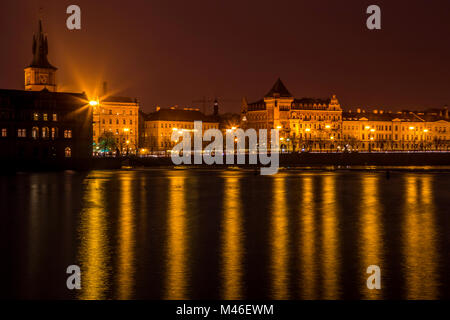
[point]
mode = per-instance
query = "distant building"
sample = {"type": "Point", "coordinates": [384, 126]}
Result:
{"type": "Point", "coordinates": [160, 124]}
{"type": "Point", "coordinates": [117, 116]}
{"type": "Point", "coordinates": [305, 121]}
{"type": "Point", "coordinates": [310, 124]}
{"type": "Point", "coordinates": [383, 131]}
{"type": "Point", "coordinates": [40, 127]}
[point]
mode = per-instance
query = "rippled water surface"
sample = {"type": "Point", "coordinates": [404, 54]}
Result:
{"type": "Point", "coordinates": [212, 234]}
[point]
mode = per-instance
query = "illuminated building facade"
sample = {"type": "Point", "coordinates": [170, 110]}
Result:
{"type": "Point", "coordinates": [160, 124]}
{"type": "Point", "coordinates": [306, 123]}
{"type": "Point", "coordinates": [384, 131]}
{"type": "Point", "coordinates": [116, 118]}
{"type": "Point", "coordinates": [320, 125]}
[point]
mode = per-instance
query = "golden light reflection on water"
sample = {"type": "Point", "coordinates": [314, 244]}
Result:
{"type": "Point", "coordinates": [307, 241]}
{"type": "Point", "coordinates": [279, 240]}
{"type": "Point", "coordinates": [232, 239]}
{"type": "Point", "coordinates": [176, 278]}
{"type": "Point", "coordinates": [94, 248]}
{"type": "Point", "coordinates": [370, 244]}
{"type": "Point", "coordinates": [126, 239]}
{"type": "Point", "coordinates": [330, 241]}
{"type": "Point", "coordinates": [419, 231]}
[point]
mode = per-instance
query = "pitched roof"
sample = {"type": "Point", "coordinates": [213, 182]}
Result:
{"type": "Point", "coordinates": [179, 115]}
{"type": "Point", "coordinates": [389, 116]}
{"type": "Point", "coordinates": [279, 90]}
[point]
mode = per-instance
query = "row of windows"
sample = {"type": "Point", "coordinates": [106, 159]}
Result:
{"type": "Point", "coordinates": [396, 128]}
{"type": "Point", "coordinates": [117, 121]}
{"type": "Point", "coordinates": [110, 112]}
{"type": "Point", "coordinates": [44, 117]}
{"type": "Point", "coordinates": [45, 133]}
{"type": "Point", "coordinates": [181, 126]}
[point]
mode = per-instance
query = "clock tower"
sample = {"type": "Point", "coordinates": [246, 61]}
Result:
{"type": "Point", "coordinates": [40, 74]}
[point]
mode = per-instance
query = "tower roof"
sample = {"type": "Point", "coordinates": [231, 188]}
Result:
{"type": "Point", "coordinates": [40, 50]}
{"type": "Point", "coordinates": [279, 90]}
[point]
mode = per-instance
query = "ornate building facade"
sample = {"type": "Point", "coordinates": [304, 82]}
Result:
{"type": "Point", "coordinates": [306, 123]}
{"type": "Point", "coordinates": [320, 125]}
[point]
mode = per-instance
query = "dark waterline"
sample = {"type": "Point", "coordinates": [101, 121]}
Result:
{"type": "Point", "coordinates": [225, 234]}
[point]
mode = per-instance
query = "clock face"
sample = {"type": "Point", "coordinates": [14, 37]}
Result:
{"type": "Point", "coordinates": [43, 78]}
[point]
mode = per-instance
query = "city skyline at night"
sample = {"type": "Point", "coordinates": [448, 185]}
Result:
{"type": "Point", "coordinates": [316, 49]}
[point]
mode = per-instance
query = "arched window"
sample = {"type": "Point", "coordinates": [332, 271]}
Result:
{"type": "Point", "coordinates": [67, 152]}
{"type": "Point", "coordinates": [45, 133]}
{"type": "Point", "coordinates": [35, 132]}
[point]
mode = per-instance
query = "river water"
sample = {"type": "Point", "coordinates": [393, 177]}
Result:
{"type": "Point", "coordinates": [225, 234]}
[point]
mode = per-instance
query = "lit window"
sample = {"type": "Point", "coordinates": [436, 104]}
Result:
{"type": "Point", "coordinates": [45, 116]}
{"type": "Point", "coordinates": [54, 133]}
{"type": "Point", "coordinates": [35, 132]}
{"type": "Point", "coordinates": [55, 117]}
{"type": "Point", "coordinates": [67, 134]}
{"type": "Point", "coordinates": [4, 132]}
{"type": "Point", "coordinates": [35, 116]}
{"type": "Point", "coordinates": [45, 133]}
{"type": "Point", "coordinates": [67, 152]}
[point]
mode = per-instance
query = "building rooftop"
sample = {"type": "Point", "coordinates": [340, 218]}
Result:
{"type": "Point", "coordinates": [173, 114]}
{"type": "Point", "coordinates": [278, 90]}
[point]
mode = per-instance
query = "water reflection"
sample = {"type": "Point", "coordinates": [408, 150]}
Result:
{"type": "Point", "coordinates": [94, 248]}
{"type": "Point", "coordinates": [419, 237]}
{"type": "Point", "coordinates": [279, 240]}
{"type": "Point", "coordinates": [142, 234]}
{"type": "Point", "coordinates": [126, 238]}
{"type": "Point", "coordinates": [371, 234]}
{"type": "Point", "coordinates": [330, 239]}
{"type": "Point", "coordinates": [308, 268]}
{"type": "Point", "coordinates": [177, 247]}
{"type": "Point", "coordinates": [232, 239]}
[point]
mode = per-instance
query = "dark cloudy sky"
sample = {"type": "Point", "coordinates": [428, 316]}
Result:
{"type": "Point", "coordinates": [172, 52]}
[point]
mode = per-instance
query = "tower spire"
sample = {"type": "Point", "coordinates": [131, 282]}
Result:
{"type": "Point", "coordinates": [40, 74]}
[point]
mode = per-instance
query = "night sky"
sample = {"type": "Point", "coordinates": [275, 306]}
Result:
{"type": "Point", "coordinates": [173, 52]}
